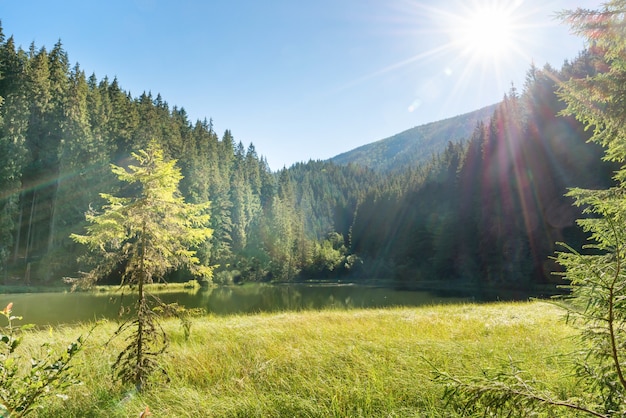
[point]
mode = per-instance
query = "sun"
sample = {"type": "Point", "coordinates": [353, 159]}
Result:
{"type": "Point", "coordinates": [463, 46]}
{"type": "Point", "coordinates": [485, 31]}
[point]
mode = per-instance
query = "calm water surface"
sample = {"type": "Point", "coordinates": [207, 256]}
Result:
{"type": "Point", "coordinates": [68, 308]}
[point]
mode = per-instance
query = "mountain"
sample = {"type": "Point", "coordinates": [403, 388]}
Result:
{"type": "Point", "coordinates": [416, 145]}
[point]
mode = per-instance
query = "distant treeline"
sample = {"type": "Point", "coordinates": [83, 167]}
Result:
{"type": "Point", "coordinates": [485, 211]}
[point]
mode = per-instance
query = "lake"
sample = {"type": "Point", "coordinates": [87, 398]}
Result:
{"type": "Point", "coordinates": [69, 308]}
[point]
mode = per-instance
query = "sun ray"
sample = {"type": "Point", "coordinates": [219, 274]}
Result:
{"type": "Point", "coordinates": [416, 58]}
{"type": "Point", "coordinates": [476, 63]}
{"type": "Point", "coordinates": [487, 31]}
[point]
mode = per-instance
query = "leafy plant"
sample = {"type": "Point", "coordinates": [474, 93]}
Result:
{"type": "Point", "coordinates": [22, 386]}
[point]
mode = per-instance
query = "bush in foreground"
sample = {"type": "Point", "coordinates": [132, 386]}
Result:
{"type": "Point", "coordinates": [26, 383]}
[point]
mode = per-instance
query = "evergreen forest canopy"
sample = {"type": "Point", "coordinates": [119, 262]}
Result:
{"type": "Point", "coordinates": [484, 211]}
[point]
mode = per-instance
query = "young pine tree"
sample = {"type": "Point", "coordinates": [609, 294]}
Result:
{"type": "Point", "coordinates": [148, 233]}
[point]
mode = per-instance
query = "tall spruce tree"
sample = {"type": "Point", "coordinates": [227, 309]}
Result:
{"type": "Point", "coordinates": [13, 127]}
{"type": "Point", "coordinates": [598, 279]}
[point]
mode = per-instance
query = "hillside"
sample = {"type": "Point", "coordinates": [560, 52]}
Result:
{"type": "Point", "coordinates": [486, 210]}
{"type": "Point", "coordinates": [415, 145]}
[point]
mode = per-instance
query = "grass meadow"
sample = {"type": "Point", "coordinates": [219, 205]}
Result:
{"type": "Point", "coordinates": [332, 363]}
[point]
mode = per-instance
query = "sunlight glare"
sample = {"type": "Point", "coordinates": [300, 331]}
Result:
{"type": "Point", "coordinates": [488, 31]}
{"type": "Point", "coordinates": [480, 45]}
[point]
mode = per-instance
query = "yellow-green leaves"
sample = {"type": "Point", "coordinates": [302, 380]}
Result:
{"type": "Point", "coordinates": [147, 233]}
{"type": "Point", "coordinates": [153, 227]}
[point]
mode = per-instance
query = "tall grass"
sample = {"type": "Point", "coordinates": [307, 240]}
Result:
{"type": "Point", "coordinates": [355, 363]}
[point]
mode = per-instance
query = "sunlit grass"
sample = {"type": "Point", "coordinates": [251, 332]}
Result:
{"type": "Point", "coordinates": [190, 286]}
{"type": "Point", "coordinates": [375, 362]}
{"type": "Point", "coordinates": [159, 287]}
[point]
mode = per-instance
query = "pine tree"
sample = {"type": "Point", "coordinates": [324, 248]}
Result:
{"type": "Point", "coordinates": [149, 233]}
{"type": "Point", "coordinates": [123, 118]}
{"type": "Point", "coordinates": [597, 305]}
{"type": "Point", "coordinates": [14, 115]}
{"type": "Point", "coordinates": [598, 281]}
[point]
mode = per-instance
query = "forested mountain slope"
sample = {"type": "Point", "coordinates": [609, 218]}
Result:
{"type": "Point", "coordinates": [485, 207]}
{"type": "Point", "coordinates": [59, 132]}
{"type": "Point", "coordinates": [490, 214]}
{"type": "Point", "coordinates": [415, 146]}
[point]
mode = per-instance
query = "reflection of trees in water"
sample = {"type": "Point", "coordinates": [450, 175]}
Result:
{"type": "Point", "coordinates": [251, 298]}
{"type": "Point", "coordinates": [51, 308]}
{"type": "Point", "coordinates": [327, 297]}
{"type": "Point", "coordinates": [220, 293]}
{"type": "Point", "coordinates": [287, 297]}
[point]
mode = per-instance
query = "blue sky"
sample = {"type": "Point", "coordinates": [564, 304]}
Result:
{"type": "Point", "coordinates": [302, 80]}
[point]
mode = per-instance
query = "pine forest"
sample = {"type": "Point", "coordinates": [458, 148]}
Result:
{"type": "Point", "coordinates": [486, 210]}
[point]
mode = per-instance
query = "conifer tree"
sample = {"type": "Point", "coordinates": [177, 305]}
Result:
{"type": "Point", "coordinates": [597, 276]}
{"type": "Point", "coordinates": [149, 233]}
{"type": "Point", "coordinates": [596, 272]}
{"type": "Point", "coordinates": [14, 117]}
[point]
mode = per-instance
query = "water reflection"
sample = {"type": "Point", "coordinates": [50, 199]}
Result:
{"type": "Point", "coordinates": [67, 308]}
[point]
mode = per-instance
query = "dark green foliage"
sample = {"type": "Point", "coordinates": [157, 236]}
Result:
{"type": "Point", "coordinates": [509, 392]}
{"type": "Point", "coordinates": [60, 134]}
{"type": "Point", "coordinates": [482, 208]}
{"type": "Point", "coordinates": [489, 211]}
{"type": "Point", "coordinates": [595, 272]}
{"type": "Point", "coordinates": [145, 340]}
{"type": "Point", "coordinates": [13, 125]}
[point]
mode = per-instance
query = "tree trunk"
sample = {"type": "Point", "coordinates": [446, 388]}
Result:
{"type": "Point", "coordinates": [139, 377]}
{"type": "Point", "coordinates": [53, 215]}
{"type": "Point", "coordinates": [18, 230]}
{"type": "Point", "coordinates": [29, 237]}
